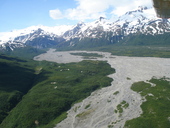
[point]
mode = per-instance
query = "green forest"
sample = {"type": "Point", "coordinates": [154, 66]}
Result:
{"type": "Point", "coordinates": [38, 94]}
{"type": "Point", "coordinates": [155, 109]}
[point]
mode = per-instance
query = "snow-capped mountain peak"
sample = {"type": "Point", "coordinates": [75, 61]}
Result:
{"type": "Point", "coordinates": [141, 13]}
{"type": "Point", "coordinates": [10, 36]}
{"type": "Point", "coordinates": [142, 20]}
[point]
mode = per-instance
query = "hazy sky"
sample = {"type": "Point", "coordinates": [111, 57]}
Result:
{"type": "Point", "coordinates": [18, 14]}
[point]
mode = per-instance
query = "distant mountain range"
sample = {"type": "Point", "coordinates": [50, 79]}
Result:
{"type": "Point", "coordinates": [134, 27]}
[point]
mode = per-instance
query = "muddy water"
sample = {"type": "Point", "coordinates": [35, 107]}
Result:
{"type": "Point", "coordinates": [103, 103]}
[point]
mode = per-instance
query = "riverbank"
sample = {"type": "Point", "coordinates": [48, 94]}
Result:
{"type": "Point", "coordinates": [104, 104]}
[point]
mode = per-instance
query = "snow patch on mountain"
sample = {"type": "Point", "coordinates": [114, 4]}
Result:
{"type": "Point", "coordinates": [143, 20]}
{"type": "Point", "coordinates": [10, 36]}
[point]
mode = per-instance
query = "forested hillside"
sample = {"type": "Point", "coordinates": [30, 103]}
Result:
{"type": "Point", "coordinates": [38, 93]}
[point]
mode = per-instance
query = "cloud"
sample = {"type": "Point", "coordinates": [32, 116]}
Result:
{"type": "Point", "coordinates": [56, 14]}
{"type": "Point", "coordinates": [93, 9]}
{"type": "Point", "coordinates": [126, 5]}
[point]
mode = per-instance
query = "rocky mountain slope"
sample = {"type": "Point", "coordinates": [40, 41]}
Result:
{"type": "Point", "coordinates": [141, 21]}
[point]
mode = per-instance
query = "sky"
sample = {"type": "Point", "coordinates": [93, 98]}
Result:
{"type": "Point", "coordinates": [19, 14]}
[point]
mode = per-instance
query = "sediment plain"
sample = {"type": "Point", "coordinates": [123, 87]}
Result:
{"type": "Point", "coordinates": [100, 109]}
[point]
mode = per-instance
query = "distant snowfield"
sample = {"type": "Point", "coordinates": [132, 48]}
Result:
{"type": "Point", "coordinates": [103, 103]}
{"type": "Point", "coordinates": [58, 30]}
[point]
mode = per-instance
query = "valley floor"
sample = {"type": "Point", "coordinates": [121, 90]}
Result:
{"type": "Point", "coordinates": [114, 105]}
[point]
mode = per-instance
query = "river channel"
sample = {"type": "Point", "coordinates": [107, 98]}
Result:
{"type": "Point", "coordinates": [103, 102]}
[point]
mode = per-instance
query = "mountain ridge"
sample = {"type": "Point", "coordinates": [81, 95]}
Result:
{"type": "Point", "coordinates": [134, 22]}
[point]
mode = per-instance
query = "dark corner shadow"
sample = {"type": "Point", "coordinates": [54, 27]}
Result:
{"type": "Point", "coordinates": [3, 56]}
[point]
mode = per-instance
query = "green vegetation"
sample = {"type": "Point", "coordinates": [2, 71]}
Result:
{"type": "Point", "coordinates": [142, 39]}
{"type": "Point", "coordinates": [121, 106]}
{"type": "Point", "coordinates": [138, 45]}
{"type": "Point", "coordinates": [85, 43]}
{"type": "Point", "coordinates": [139, 51]}
{"type": "Point", "coordinates": [87, 55]}
{"type": "Point", "coordinates": [115, 93]}
{"type": "Point", "coordinates": [107, 40]}
{"type": "Point", "coordinates": [110, 126]}
{"type": "Point", "coordinates": [108, 100]}
{"type": "Point", "coordinates": [24, 52]}
{"type": "Point", "coordinates": [37, 94]}
{"type": "Point", "coordinates": [140, 87]}
{"type": "Point", "coordinates": [55, 121]}
{"type": "Point", "coordinates": [16, 78]}
{"type": "Point", "coordinates": [85, 113]}
{"type": "Point", "coordinates": [128, 78]}
{"type": "Point", "coordinates": [87, 106]}
{"type": "Point", "coordinates": [156, 112]}
{"type": "Point", "coordinates": [132, 50]}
